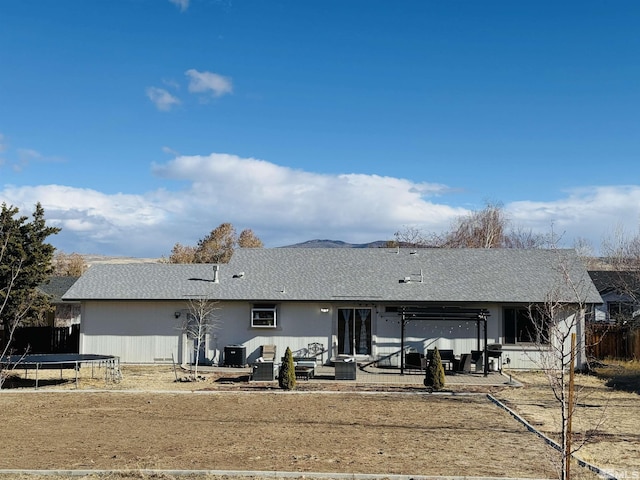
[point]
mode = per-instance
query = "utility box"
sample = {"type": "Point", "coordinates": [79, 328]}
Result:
{"type": "Point", "coordinates": [263, 372]}
{"type": "Point", "coordinates": [235, 356]}
{"type": "Point", "coordinates": [345, 368]}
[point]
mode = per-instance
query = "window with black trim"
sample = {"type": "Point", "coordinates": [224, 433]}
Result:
{"type": "Point", "coordinates": [524, 325]}
{"type": "Point", "coordinates": [620, 311]}
{"type": "Point", "coordinates": [264, 316]}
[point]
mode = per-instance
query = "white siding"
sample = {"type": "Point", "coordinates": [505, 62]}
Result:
{"type": "Point", "coordinates": [137, 332]}
{"type": "Point", "coordinates": [298, 325]}
{"type": "Point", "coordinates": [148, 332]}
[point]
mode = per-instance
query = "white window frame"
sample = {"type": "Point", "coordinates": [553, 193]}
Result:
{"type": "Point", "coordinates": [264, 312]}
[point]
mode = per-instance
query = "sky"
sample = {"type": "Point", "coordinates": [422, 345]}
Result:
{"type": "Point", "coordinates": [138, 124]}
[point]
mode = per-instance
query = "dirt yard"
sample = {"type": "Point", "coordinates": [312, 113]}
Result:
{"type": "Point", "coordinates": [609, 419]}
{"type": "Point", "coordinates": [229, 424]}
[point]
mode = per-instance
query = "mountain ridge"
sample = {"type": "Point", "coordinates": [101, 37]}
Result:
{"type": "Point", "coordinates": [325, 243]}
{"type": "Point", "coordinates": [94, 259]}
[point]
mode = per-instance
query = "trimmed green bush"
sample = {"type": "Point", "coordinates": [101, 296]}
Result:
{"type": "Point", "coordinates": [287, 376]}
{"type": "Point", "coordinates": [434, 376]}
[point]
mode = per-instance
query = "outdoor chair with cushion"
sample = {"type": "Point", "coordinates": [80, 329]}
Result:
{"type": "Point", "coordinates": [446, 356]}
{"type": "Point", "coordinates": [268, 353]}
{"type": "Point", "coordinates": [465, 363]}
{"type": "Point", "coordinates": [477, 360]}
{"type": "Point", "coordinates": [413, 361]}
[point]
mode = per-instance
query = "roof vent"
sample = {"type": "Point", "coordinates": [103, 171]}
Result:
{"type": "Point", "coordinates": [216, 268]}
{"type": "Point", "coordinates": [405, 280]}
{"type": "Point", "coordinates": [239, 275]}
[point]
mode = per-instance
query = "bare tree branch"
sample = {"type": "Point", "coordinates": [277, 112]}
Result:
{"type": "Point", "coordinates": [200, 321]}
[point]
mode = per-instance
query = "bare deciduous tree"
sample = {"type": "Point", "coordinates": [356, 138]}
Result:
{"type": "Point", "coordinates": [409, 236]}
{"type": "Point", "coordinates": [216, 247]}
{"type": "Point", "coordinates": [560, 346]}
{"type": "Point", "coordinates": [622, 255]}
{"type": "Point", "coordinates": [182, 254]}
{"type": "Point", "coordinates": [9, 327]}
{"type": "Point", "coordinates": [479, 229]}
{"type": "Point", "coordinates": [199, 322]}
{"type": "Point", "coordinates": [68, 265]}
{"type": "Point", "coordinates": [486, 228]}
{"type": "Point", "coordinates": [248, 239]}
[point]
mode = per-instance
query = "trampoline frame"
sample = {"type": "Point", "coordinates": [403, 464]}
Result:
{"type": "Point", "coordinates": [64, 361]}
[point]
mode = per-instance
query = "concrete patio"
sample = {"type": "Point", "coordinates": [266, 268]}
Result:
{"type": "Point", "coordinates": [389, 376]}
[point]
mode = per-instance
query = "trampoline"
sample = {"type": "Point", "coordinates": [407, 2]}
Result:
{"type": "Point", "coordinates": [63, 361]}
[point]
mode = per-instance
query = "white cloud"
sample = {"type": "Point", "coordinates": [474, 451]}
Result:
{"type": "Point", "coordinates": [19, 159]}
{"type": "Point", "coordinates": [279, 198]}
{"type": "Point", "coordinates": [169, 151]}
{"type": "Point", "coordinates": [181, 4]}
{"type": "Point", "coordinates": [591, 213]}
{"type": "Point", "coordinates": [284, 205]}
{"type": "Point", "coordinates": [162, 99]}
{"type": "Point", "coordinates": [208, 82]}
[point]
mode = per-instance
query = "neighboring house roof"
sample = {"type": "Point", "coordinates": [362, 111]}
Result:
{"type": "Point", "coordinates": [375, 274]}
{"type": "Point", "coordinates": [621, 281]}
{"type": "Point", "coordinates": [56, 287]}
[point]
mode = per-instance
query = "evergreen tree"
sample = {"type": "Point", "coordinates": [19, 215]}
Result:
{"type": "Point", "coordinates": [434, 376]}
{"type": "Point", "coordinates": [25, 263]}
{"type": "Point", "coordinates": [287, 376]}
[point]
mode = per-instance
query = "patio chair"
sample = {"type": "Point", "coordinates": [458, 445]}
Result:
{"type": "Point", "coordinates": [316, 350]}
{"type": "Point", "coordinates": [446, 356]}
{"type": "Point", "coordinates": [477, 360]}
{"type": "Point", "coordinates": [465, 363]}
{"type": "Point", "coordinates": [268, 353]}
{"type": "Point", "coordinates": [413, 361]}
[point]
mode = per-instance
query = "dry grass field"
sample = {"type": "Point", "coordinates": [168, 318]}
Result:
{"type": "Point", "coordinates": [229, 424]}
{"type": "Point", "coordinates": [606, 421]}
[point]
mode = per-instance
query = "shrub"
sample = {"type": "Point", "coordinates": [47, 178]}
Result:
{"type": "Point", "coordinates": [434, 376]}
{"type": "Point", "coordinates": [287, 376]}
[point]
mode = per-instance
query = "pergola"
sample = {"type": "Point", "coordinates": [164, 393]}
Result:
{"type": "Point", "coordinates": [410, 313]}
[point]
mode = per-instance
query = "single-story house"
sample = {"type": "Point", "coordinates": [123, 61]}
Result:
{"type": "Point", "coordinates": [366, 303]}
{"type": "Point", "coordinates": [620, 292]}
{"type": "Point", "coordinates": [64, 314]}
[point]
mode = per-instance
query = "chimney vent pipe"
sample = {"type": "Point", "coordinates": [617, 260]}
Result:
{"type": "Point", "coordinates": [215, 273]}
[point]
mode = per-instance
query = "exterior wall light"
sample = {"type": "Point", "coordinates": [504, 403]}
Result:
{"type": "Point", "coordinates": [324, 309]}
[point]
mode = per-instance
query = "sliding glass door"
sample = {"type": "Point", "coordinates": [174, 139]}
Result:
{"type": "Point", "coordinates": [354, 331]}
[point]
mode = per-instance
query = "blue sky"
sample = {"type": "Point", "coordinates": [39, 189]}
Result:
{"type": "Point", "coordinates": [142, 123]}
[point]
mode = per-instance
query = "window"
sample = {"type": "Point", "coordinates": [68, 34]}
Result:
{"type": "Point", "coordinates": [619, 311]}
{"type": "Point", "coordinates": [520, 327]}
{"type": "Point", "coordinates": [263, 316]}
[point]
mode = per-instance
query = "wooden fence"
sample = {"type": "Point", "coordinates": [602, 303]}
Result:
{"type": "Point", "coordinates": [46, 340]}
{"type": "Point", "coordinates": [613, 341]}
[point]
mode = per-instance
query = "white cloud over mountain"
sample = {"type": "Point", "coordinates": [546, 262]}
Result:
{"type": "Point", "coordinates": [284, 205]}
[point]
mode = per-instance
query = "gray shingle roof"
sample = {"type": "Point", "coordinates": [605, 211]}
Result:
{"type": "Point", "coordinates": [56, 287]}
{"type": "Point", "coordinates": [436, 275]}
